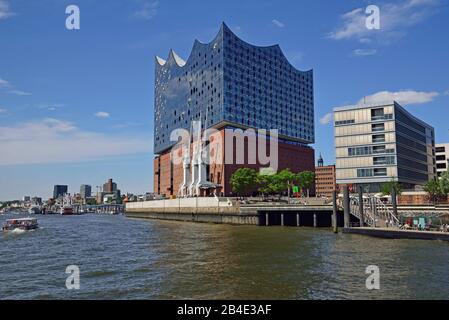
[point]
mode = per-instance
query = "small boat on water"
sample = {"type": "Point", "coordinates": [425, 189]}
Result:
{"type": "Point", "coordinates": [67, 211]}
{"type": "Point", "coordinates": [24, 224]}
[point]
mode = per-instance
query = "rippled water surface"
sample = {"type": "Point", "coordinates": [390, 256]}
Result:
{"type": "Point", "coordinates": [121, 258]}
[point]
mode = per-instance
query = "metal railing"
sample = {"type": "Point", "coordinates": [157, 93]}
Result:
{"type": "Point", "coordinates": [375, 212]}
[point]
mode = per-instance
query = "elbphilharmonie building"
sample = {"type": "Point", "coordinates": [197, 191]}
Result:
{"type": "Point", "coordinates": [229, 83]}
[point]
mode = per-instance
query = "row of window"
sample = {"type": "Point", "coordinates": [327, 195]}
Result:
{"type": "Point", "coordinates": [363, 151]}
{"type": "Point", "coordinates": [377, 172]}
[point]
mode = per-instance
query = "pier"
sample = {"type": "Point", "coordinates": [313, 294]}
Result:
{"type": "Point", "coordinates": [100, 209]}
{"type": "Point", "coordinates": [227, 211]}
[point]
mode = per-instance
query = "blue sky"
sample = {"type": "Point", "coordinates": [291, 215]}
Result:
{"type": "Point", "coordinates": [76, 107]}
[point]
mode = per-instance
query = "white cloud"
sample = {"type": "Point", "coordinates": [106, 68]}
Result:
{"type": "Point", "coordinates": [2, 110]}
{"type": "Point", "coordinates": [394, 18]}
{"type": "Point", "coordinates": [364, 52]}
{"type": "Point", "coordinates": [404, 97]}
{"type": "Point", "coordinates": [102, 114]}
{"type": "Point", "coordinates": [148, 10]}
{"type": "Point", "coordinates": [20, 93]}
{"type": "Point", "coordinates": [54, 141]}
{"type": "Point", "coordinates": [327, 118]}
{"type": "Point", "coordinates": [7, 85]}
{"type": "Point", "coordinates": [446, 93]}
{"type": "Point", "coordinates": [278, 23]}
{"type": "Point", "coordinates": [5, 11]}
{"type": "Point", "coordinates": [4, 83]}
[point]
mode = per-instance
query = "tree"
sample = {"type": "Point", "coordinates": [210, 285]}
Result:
{"type": "Point", "coordinates": [387, 188]}
{"type": "Point", "coordinates": [285, 180]}
{"type": "Point", "coordinates": [243, 180]}
{"type": "Point", "coordinates": [444, 183]}
{"type": "Point", "coordinates": [306, 180]}
{"type": "Point", "coordinates": [433, 189]}
{"type": "Point", "coordinates": [265, 182]}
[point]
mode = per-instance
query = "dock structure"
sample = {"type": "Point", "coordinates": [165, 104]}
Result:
{"type": "Point", "coordinates": [393, 233]}
{"type": "Point", "coordinates": [101, 209]}
{"type": "Point", "coordinates": [224, 210]}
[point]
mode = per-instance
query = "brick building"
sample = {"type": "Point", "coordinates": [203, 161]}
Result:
{"type": "Point", "coordinates": [325, 179]}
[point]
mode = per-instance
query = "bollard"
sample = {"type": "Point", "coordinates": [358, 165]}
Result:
{"type": "Point", "coordinates": [346, 206]}
{"type": "Point", "coordinates": [334, 211]}
{"type": "Point", "coordinates": [394, 201]}
{"type": "Point", "coordinates": [362, 216]}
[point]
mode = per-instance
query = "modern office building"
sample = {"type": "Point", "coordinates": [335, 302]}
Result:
{"type": "Point", "coordinates": [85, 191]}
{"type": "Point", "coordinates": [59, 191]}
{"type": "Point", "coordinates": [377, 144]}
{"type": "Point", "coordinates": [229, 84]}
{"type": "Point", "coordinates": [442, 158]}
{"type": "Point", "coordinates": [325, 179]}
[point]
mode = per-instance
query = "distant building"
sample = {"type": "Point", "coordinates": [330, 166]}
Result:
{"type": "Point", "coordinates": [85, 191]}
{"type": "Point", "coordinates": [109, 187]}
{"type": "Point", "coordinates": [26, 199]}
{"type": "Point", "coordinates": [442, 158]}
{"type": "Point", "coordinates": [377, 144]}
{"type": "Point", "coordinates": [59, 191]}
{"type": "Point", "coordinates": [110, 191]}
{"type": "Point", "coordinates": [36, 200]}
{"type": "Point", "coordinates": [325, 179]}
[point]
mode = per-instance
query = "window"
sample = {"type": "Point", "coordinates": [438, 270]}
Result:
{"type": "Point", "coordinates": [378, 138]}
{"type": "Point", "coordinates": [378, 172]}
{"type": "Point", "coordinates": [440, 149]}
{"type": "Point", "coordinates": [378, 127]}
{"type": "Point", "coordinates": [383, 160]}
{"type": "Point", "coordinates": [441, 166]}
{"type": "Point", "coordinates": [344, 122]}
{"type": "Point", "coordinates": [381, 172]}
{"type": "Point", "coordinates": [441, 158]}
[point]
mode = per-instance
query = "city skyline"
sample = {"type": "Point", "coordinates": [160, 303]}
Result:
{"type": "Point", "coordinates": [55, 128]}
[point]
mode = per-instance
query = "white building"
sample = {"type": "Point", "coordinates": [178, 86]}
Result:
{"type": "Point", "coordinates": [442, 156]}
{"type": "Point", "coordinates": [377, 144]}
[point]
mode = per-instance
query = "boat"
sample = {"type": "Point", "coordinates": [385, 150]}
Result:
{"type": "Point", "coordinates": [24, 224]}
{"type": "Point", "coordinates": [34, 210]}
{"type": "Point", "coordinates": [67, 211]}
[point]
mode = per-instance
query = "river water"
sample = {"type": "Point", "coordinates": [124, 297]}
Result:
{"type": "Point", "coordinates": [121, 258]}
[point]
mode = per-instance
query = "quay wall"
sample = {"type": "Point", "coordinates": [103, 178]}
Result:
{"type": "Point", "coordinates": [208, 210]}
{"type": "Point", "coordinates": [398, 234]}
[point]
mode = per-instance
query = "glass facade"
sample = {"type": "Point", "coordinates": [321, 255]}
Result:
{"type": "Point", "coordinates": [231, 82]}
{"type": "Point", "coordinates": [375, 144]}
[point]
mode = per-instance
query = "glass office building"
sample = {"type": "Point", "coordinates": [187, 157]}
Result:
{"type": "Point", "coordinates": [377, 144]}
{"type": "Point", "coordinates": [229, 82]}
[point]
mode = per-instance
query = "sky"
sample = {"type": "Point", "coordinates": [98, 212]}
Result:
{"type": "Point", "coordinates": [76, 106]}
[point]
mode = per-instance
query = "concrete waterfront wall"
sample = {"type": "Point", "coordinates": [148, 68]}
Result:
{"type": "Point", "coordinates": [398, 234]}
{"type": "Point", "coordinates": [210, 210]}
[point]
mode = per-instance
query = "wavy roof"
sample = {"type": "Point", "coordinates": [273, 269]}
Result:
{"type": "Point", "coordinates": [174, 58]}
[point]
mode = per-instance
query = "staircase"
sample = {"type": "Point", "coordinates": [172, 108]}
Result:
{"type": "Point", "coordinates": [376, 213]}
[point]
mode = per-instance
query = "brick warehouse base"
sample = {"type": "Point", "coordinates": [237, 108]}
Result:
{"type": "Point", "coordinates": [168, 176]}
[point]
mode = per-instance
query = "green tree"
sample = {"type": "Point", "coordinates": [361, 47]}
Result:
{"type": "Point", "coordinates": [444, 183]}
{"type": "Point", "coordinates": [243, 180]}
{"type": "Point", "coordinates": [387, 188]}
{"type": "Point", "coordinates": [285, 180]}
{"type": "Point", "coordinates": [306, 180]}
{"type": "Point", "coordinates": [265, 183]}
{"type": "Point", "coordinates": [433, 189]}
